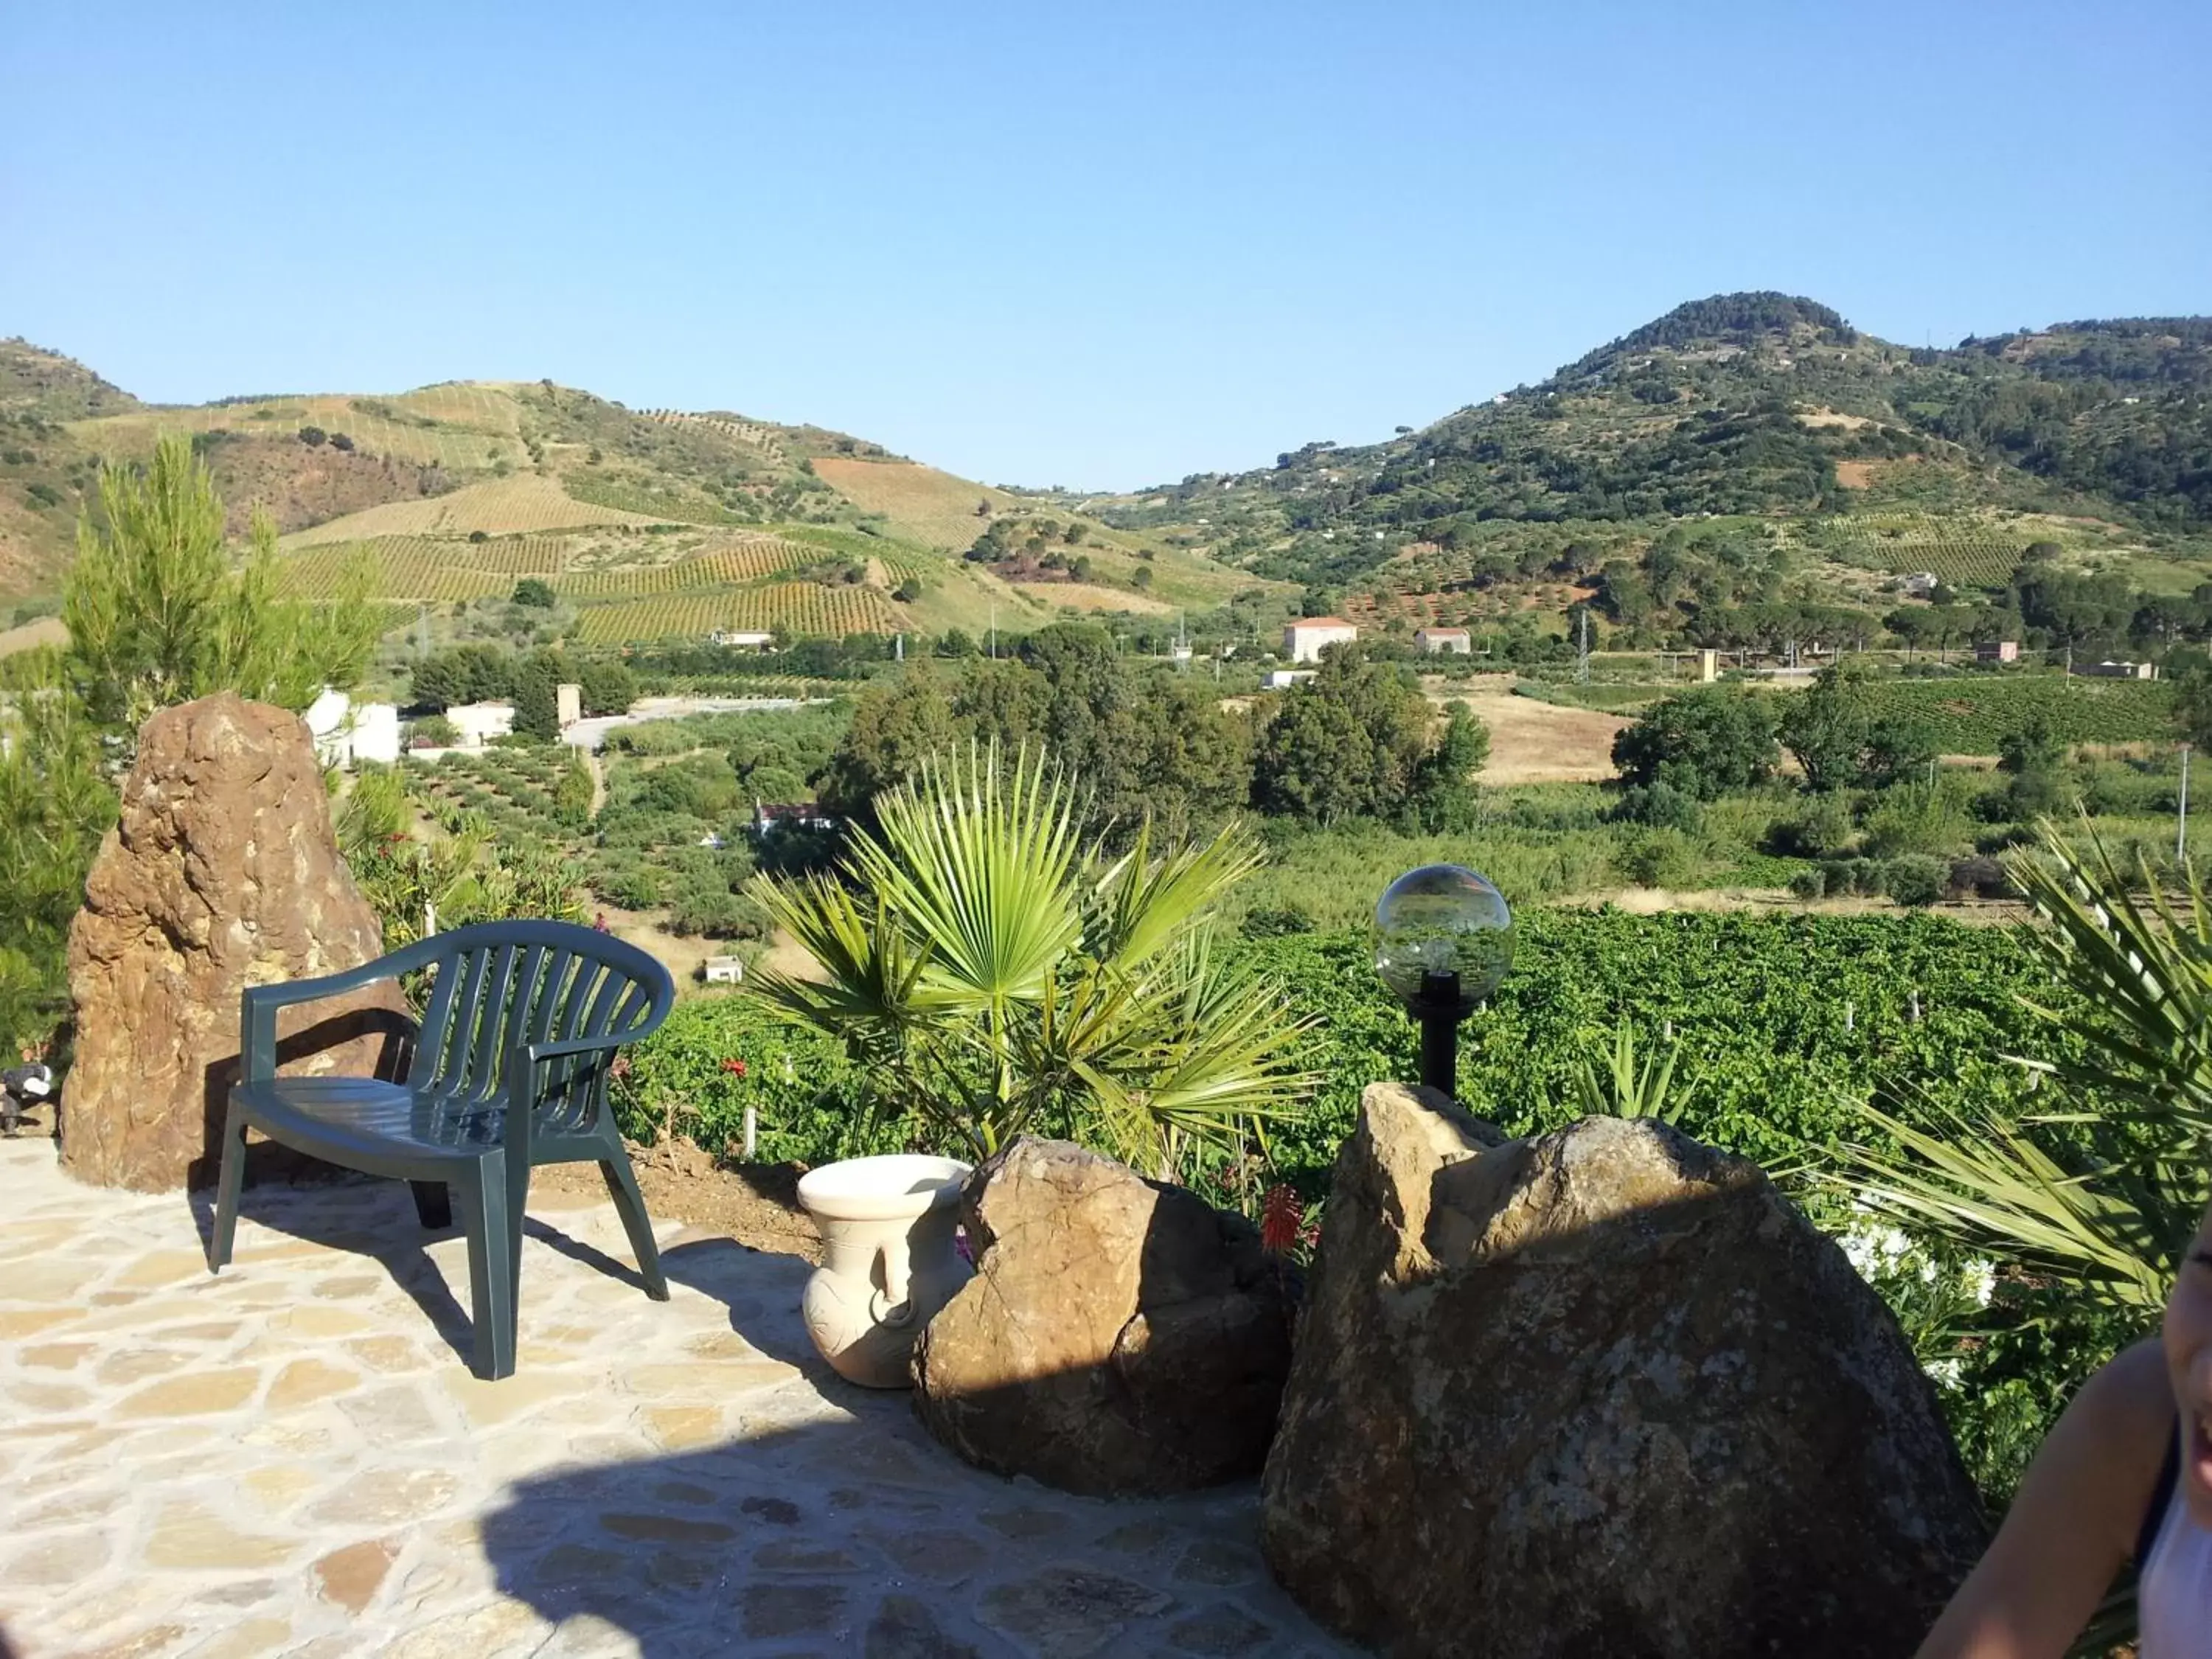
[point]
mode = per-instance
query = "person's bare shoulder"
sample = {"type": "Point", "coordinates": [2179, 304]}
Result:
{"type": "Point", "coordinates": [2122, 1420]}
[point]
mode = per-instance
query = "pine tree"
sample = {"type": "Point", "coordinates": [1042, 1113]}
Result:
{"type": "Point", "coordinates": [157, 616]}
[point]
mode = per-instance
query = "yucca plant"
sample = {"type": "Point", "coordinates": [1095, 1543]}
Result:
{"type": "Point", "coordinates": [2083, 1209]}
{"type": "Point", "coordinates": [2095, 1197]}
{"type": "Point", "coordinates": [992, 973]}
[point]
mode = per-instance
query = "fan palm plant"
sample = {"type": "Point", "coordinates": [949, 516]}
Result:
{"type": "Point", "coordinates": [992, 973]}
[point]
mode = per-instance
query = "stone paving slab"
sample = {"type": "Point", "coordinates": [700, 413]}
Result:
{"type": "Point", "coordinates": [291, 1459]}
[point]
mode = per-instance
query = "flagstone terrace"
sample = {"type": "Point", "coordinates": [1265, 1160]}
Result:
{"type": "Point", "coordinates": [293, 1458]}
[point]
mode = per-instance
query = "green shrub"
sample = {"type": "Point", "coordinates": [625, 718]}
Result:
{"type": "Point", "coordinates": [1917, 879]}
{"type": "Point", "coordinates": [1825, 830]}
{"type": "Point", "coordinates": [1663, 807]}
{"type": "Point", "coordinates": [1663, 858]}
{"type": "Point", "coordinates": [1809, 884]}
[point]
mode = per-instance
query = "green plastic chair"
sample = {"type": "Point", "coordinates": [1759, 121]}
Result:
{"type": "Point", "coordinates": [508, 1069]}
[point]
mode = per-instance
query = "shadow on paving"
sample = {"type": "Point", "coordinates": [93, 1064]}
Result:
{"type": "Point", "coordinates": [834, 1524]}
{"type": "Point", "coordinates": [830, 1522]}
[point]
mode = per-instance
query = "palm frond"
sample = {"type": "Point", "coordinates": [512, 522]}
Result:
{"type": "Point", "coordinates": [2147, 967]}
{"type": "Point", "coordinates": [1985, 1183]}
{"type": "Point", "coordinates": [1144, 905]}
{"type": "Point", "coordinates": [974, 859]}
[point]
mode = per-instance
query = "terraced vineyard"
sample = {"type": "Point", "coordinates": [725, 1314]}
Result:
{"type": "Point", "coordinates": [661, 506]}
{"type": "Point", "coordinates": [748, 559]}
{"type": "Point", "coordinates": [800, 607]}
{"type": "Point", "coordinates": [1964, 552]}
{"type": "Point", "coordinates": [462, 428]}
{"type": "Point", "coordinates": [422, 568]}
{"type": "Point", "coordinates": [524, 504]}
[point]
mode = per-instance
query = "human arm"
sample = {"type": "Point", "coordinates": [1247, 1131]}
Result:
{"type": "Point", "coordinates": [2073, 1522]}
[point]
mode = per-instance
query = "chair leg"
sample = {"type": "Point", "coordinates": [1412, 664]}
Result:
{"type": "Point", "coordinates": [492, 1248]}
{"type": "Point", "coordinates": [233, 1172]}
{"type": "Point", "coordinates": [434, 1203]}
{"type": "Point", "coordinates": [630, 1205]}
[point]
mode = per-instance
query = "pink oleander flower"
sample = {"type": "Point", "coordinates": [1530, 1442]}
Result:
{"type": "Point", "coordinates": [734, 1066]}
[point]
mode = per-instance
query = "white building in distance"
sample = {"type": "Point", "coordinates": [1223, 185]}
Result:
{"type": "Point", "coordinates": [1437, 641]}
{"type": "Point", "coordinates": [346, 733]}
{"type": "Point", "coordinates": [1303, 640]}
{"type": "Point", "coordinates": [747, 637]}
{"type": "Point", "coordinates": [478, 723]}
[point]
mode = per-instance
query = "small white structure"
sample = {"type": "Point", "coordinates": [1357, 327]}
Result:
{"type": "Point", "coordinates": [2121, 670]}
{"type": "Point", "coordinates": [724, 970]}
{"type": "Point", "coordinates": [1303, 640]}
{"type": "Point", "coordinates": [1919, 584]}
{"type": "Point", "coordinates": [1282, 679]}
{"type": "Point", "coordinates": [1437, 641]}
{"type": "Point", "coordinates": [1709, 665]}
{"type": "Point", "coordinates": [751, 636]}
{"type": "Point", "coordinates": [791, 815]}
{"type": "Point", "coordinates": [346, 733]}
{"type": "Point", "coordinates": [478, 723]}
{"type": "Point", "coordinates": [568, 704]}
{"type": "Point", "coordinates": [1996, 651]}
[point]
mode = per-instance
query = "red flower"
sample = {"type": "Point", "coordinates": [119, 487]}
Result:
{"type": "Point", "coordinates": [1280, 1213]}
{"type": "Point", "coordinates": [734, 1067]}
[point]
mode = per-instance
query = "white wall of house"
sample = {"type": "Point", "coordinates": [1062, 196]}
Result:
{"type": "Point", "coordinates": [478, 723]}
{"type": "Point", "coordinates": [1302, 641]}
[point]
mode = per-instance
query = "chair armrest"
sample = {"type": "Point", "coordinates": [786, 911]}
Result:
{"type": "Point", "coordinates": [257, 1004]}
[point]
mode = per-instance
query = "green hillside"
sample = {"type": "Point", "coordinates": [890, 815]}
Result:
{"type": "Point", "coordinates": [1747, 470]}
{"type": "Point", "coordinates": [1746, 449]}
{"type": "Point", "coordinates": [648, 525]}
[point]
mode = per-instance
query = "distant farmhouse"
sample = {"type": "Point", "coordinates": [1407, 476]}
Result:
{"type": "Point", "coordinates": [478, 723]}
{"type": "Point", "coordinates": [789, 815]}
{"type": "Point", "coordinates": [1282, 679]}
{"type": "Point", "coordinates": [347, 732]}
{"type": "Point", "coordinates": [1996, 651]}
{"type": "Point", "coordinates": [2120, 671]}
{"type": "Point", "coordinates": [748, 636]}
{"type": "Point", "coordinates": [1303, 640]}
{"type": "Point", "coordinates": [1917, 584]}
{"type": "Point", "coordinates": [1442, 640]}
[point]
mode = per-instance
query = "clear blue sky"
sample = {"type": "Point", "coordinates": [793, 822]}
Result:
{"type": "Point", "coordinates": [1103, 246]}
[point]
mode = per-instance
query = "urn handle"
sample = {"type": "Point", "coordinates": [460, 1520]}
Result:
{"type": "Point", "coordinates": [888, 1301]}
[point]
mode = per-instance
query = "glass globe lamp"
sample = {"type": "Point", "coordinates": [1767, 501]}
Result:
{"type": "Point", "coordinates": [1443, 940]}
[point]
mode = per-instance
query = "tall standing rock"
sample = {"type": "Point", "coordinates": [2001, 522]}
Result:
{"type": "Point", "coordinates": [1601, 1394]}
{"type": "Point", "coordinates": [1120, 1335]}
{"type": "Point", "coordinates": [223, 873]}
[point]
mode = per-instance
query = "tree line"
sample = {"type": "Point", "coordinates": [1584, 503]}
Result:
{"type": "Point", "coordinates": [1358, 740]}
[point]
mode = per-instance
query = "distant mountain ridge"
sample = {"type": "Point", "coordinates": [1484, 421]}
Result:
{"type": "Point", "coordinates": [1750, 412]}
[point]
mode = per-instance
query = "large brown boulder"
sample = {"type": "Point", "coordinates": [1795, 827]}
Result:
{"type": "Point", "coordinates": [1603, 1393]}
{"type": "Point", "coordinates": [223, 873]}
{"type": "Point", "coordinates": [1120, 1336]}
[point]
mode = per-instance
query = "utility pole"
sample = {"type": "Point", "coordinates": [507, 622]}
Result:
{"type": "Point", "coordinates": [1582, 650]}
{"type": "Point", "coordinates": [2181, 813]}
{"type": "Point", "coordinates": [994, 630]}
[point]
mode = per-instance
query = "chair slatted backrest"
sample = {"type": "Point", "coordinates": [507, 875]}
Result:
{"type": "Point", "coordinates": [499, 984]}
